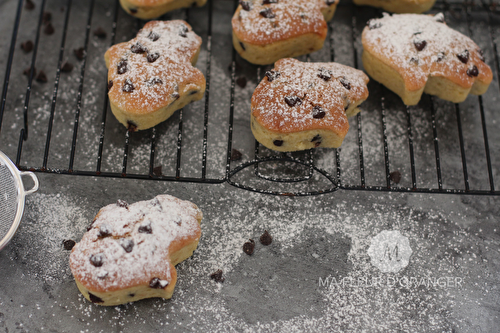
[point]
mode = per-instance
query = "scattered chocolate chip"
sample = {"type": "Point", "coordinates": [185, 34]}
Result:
{"type": "Point", "coordinates": [122, 67]}
{"type": "Point", "coordinates": [414, 60]}
{"type": "Point", "coordinates": [217, 276]}
{"type": "Point", "coordinates": [128, 86]}
{"type": "Point", "coordinates": [66, 67]}
{"type": "Point", "coordinates": [97, 259]}
{"type": "Point", "coordinates": [481, 55]}
{"type": "Point", "coordinates": [104, 231]}
{"type": "Point", "coordinates": [29, 5]}
{"type": "Point", "coordinates": [243, 46]}
{"type": "Point", "coordinates": [49, 29]}
{"type": "Point", "coordinates": [395, 177]}
{"type": "Point", "coordinates": [245, 5]}
{"type": "Point", "coordinates": [155, 80]}
{"type": "Point", "coordinates": [235, 155]}
{"type": "Point", "coordinates": [157, 171]}
{"type": "Point", "coordinates": [95, 299]}
{"type": "Point", "coordinates": [278, 143]}
{"type": "Point", "coordinates": [374, 24]}
{"type": "Point", "coordinates": [316, 138]}
{"type": "Point", "coordinates": [464, 56]}
{"type": "Point", "coordinates": [131, 127]}
{"type": "Point", "coordinates": [183, 30]}
{"type": "Point", "coordinates": [27, 46]}
{"type": "Point", "coordinates": [157, 283]}
{"type": "Point", "coordinates": [293, 100]}
{"type": "Point", "coordinates": [153, 36]}
{"type": "Point", "coordinates": [110, 84]}
{"type": "Point", "coordinates": [138, 48]}
{"type": "Point", "coordinates": [127, 244]}
{"type": "Point", "coordinates": [122, 203]}
{"type": "Point", "coordinates": [272, 75]}
{"type": "Point", "coordinates": [249, 247]}
{"type": "Point", "coordinates": [439, 17]}
{"type": "Point", "coordinates": [268, 2]}
{"type": "Point", "coordinates": [419, 44]}
{"type": "Point", "coordinates": [176, 95]}
{"type": "Point", "coordinates": [318, 112]}
{"type": "Point", "coordinates": [440, 56]}
{"type": "Point", "coordinates": [267, 13]}
{"type": "Point", "coordinates": [241, 81]}
{"type": "Point", "coordinates": [145, 229]}
{"type": "Point", "coordinates": [266, 238]}
{"type": "Point", "coordinates": [133, 11]}
{"type": "Point", "coordinates": [68, 244]}
{"type": "Point", "coordinates": [177, 220]}
{"type": "Point", "coordinates": [131, 295]}
{"type": "Point", "coordinates": [194, 92]}
{"type": "Point", "coordinates": [152, 57]}
{"type": "Point", "coordinates": [79, 53]}
{"type": "Point", "coordinates": [28, 70]}
{"type": "Point", "coordinates": [345, 83]}
{"type": "Point", "coordinates": [41, 77]}
{"type": "Point", "coordinates": [46, 17]}
{"type": "Point", "coordinates": [100, 33]}
{"type": "Point", "coordinates": [473, 71]}
{"type": "Point", "coordinates": [325, 74]}
{"type": "Point", "coordinates": [102, 275]}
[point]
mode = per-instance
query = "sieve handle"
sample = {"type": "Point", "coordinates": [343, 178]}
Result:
{"type": "Point", "coordinates": [35, 180]}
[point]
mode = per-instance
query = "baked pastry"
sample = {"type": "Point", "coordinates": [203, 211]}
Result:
{"type": "Point", "coordinates": [149, 9]}
{"type": "Point", "coordinates": [265, 31]}
{"type": "Point", "coordinates": [399, 6]}
{"type": "Point", "coordinates": [152, 76]}
{"type": "Point", "coordinates": [302, 105]}
{"type": "Point", "coordinates": [411, 54]}
{"type": "Point", "coordinates": [129, 251]}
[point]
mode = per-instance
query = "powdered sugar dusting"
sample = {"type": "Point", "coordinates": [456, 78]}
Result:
{"type": "Point", "coordinates": [129, 241]}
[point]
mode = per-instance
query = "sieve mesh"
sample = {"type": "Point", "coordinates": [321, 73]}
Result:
{"type": "Point", "coordinates": [8, 200]}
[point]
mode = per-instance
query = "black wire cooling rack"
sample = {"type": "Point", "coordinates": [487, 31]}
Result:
{"type": "Point", "coordinates": [63, 126]}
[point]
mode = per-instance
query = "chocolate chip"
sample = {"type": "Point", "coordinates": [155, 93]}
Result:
{"type": "Point", "coordinates": [28, 70]}
{"type": "Point", "coordinates": [278, 143]}
{"type": "Point", "coordinates": [217, 276]}
{"type": "Point", "coordinates": [152, 57]}
{"type": "Point", "coordinates": [316, 138]}
{"type": "Point", "coordinates": [395, 176]}
{"type": "Point", "coordinates": [110, 84]}
{"type": "Point", "coordinates": [473, 71]}
{"type": "Point", "coordinates": [414, 60]}
{"type": "Point", "coordinates": [29, 5]}
{"type": "Point", "coordinates": [153, 36]}
{"type": "Point", "coordinates": [127, 244]}
{"type": "Point", "coordinates": [122, 203]}
{"type": "Point", "coordinates": [266, 238]}
{"type": "Point", "coordinates": [49, 29]}
{"type": "Point", "coordinates": [138, 48]}
{"type": "Point", "coordinates": [419, 44]}
{"type": "Point", "coordinates": [268, 2]}
{"type": "Point", "coordinates": [131, 127]}
{"type": "Point", "coordinates": [79, 53]}
{"type": "Point", "coordinates": [325, 74]}
{"type": "Point", "coordinates": [176, 95]}
{"type": "Point", "coordinates": [131, 295]}
{"type": "Point", "coordinates": [241, 81]}
{"type": "Point", "coordinates": [464, 56]}
{"type": "Point", "coordinates": [46, 17]}
{"type": "Point", "coordinates": [155, 80]}
{"type": "Point", "coordinates": [293, 101]}
{"type": "Point", "coordinates": [249, 247]}
{"type": "Point", "coordinates": [243, 46]}
{"type": "Point", "coordinates": [68, 244]}
{"type": "Point", "coordinates": [41, 77]}
{"type": "Point", "coordinates": [439, 17]}
{"type": "Point", "coordinates": [267, 13]}
{"type": "Point", "coordinates": [133, 11]}
{"type": "Point", "coordinates": [145, 229]}
{"type": "Point", "coordinates": [235, 155]}
{"type": "Point", "coordinates": [27, 46]}
{"type": "Point", "coordinates": [272, 75]}
{"type": "Point", "coordinates": [128, 86]}
{"type": "Point", "coordinates": [318, 112]}
{"type": "Point", "coordinates": [157, 283]}
{"type": "Point", "coordinates": [97, 259]}
{"type": "Point", "coordinates": [95, 299]}
{"type": "Point", "coordinates": [440, 56]}
{"type": "Point", "coordinates": [245, 5]}
{"type": "Point", "coordinates": [481, 55]}
{"type": "Point", "coordinates": [345, 83]}
{"type": "Point", "coordinates": [374, 24]}
{"type": "Point", "coordinates": [157, 171]}
{"type": "Point", "coordinates": [104, 231]}
{"type": "Point", "coordinates": [66, 67]}
{"type": "Point", "coordinates": [183, 30]}
{"type": "Point", "coordinates": [100, 33]}
{"type": "Point", "coordinates": [122, 67]}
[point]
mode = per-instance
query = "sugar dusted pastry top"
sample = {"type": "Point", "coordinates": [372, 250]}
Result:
{"type": "Point", "coordinates": [128, 244]}
{"type": "Point", "coordinates": [418, 45]}
{"type": "Point", "coordinates": [147, 71]}
{"type": "Point", "coordinates": [260, 24]}
{"type": "Point", "coordinates": [324, 89]}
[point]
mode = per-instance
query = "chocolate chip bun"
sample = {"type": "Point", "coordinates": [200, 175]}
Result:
{"type": "Point", "coordinates": [152, 76]}
{"type": "Point", "coordinates": [149, 9]}
{"type": "Point", "coordinates": [265, 31]}
{"type": "Point", "coordinates": [411, 54]}
{"type": "Point", "coordinates": [302, 105]}
{"type": "Point", "coordinates": [399, 6]}
{"type": "Point", "coordinates": [130, 251]}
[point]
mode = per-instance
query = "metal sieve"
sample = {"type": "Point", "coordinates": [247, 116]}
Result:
{"type": "Point", "coordinates": [12, 195]}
